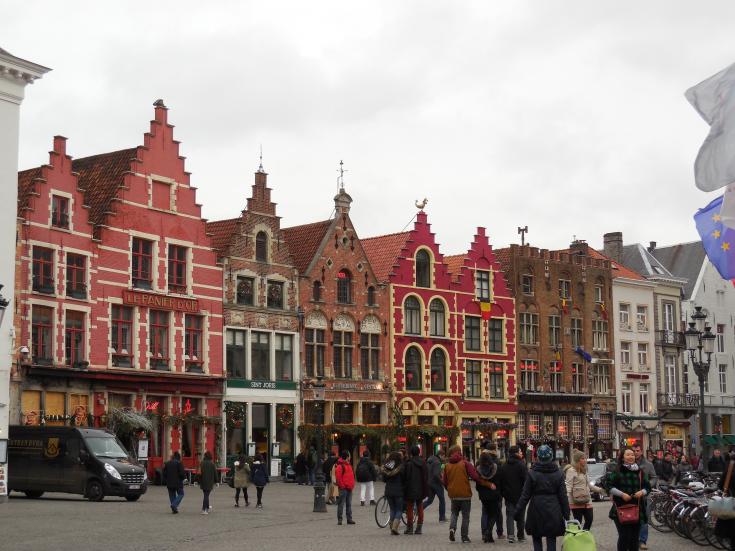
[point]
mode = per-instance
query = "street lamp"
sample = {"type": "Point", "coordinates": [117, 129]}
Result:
{"type": "Point", "coordinates": [320, 502]}
{"type": "Point", "coordinates": [595, 428]}
{"type": "Point", "coordinates": [700, 343]}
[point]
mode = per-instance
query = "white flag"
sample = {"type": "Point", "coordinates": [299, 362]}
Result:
{"type": "Point", "coordinates": [714, 99]}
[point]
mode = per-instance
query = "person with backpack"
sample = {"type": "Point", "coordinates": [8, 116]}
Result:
{"type": "Point", "coordinates": [511, 476]}
{"type": "Point", "coordinates": [546, 496]}
{"type": "Point", "coordinates": [435, 464]}
{"type": "Point", "coordinates": [456, 479]}
{"type": "Point", "coordinates": [327, 468]}
{"type": "Point", "coordinates": [345, 479]}
{"type": "Point", "coordinates": [489, 495]}
{"type": "Point", "coordinates": [173, 477]}
{"type": "Point", "coordinates": [241, 480]}
{"type": "Point", "coordinates": [393, 476]}
{"type": "Point", "coordinates": [260, 478]}
{"type": "Point", "coordinates": [366, 474]}
{"type": "Point", "coordinates": [416, 488]}
{"type": "Point", "coordinates": [207, 480]}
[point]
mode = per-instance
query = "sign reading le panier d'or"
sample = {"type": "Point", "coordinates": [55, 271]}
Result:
{"type": "Point", "coordinates": [152, 300]}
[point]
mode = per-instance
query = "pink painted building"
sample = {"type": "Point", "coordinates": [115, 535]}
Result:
{"type": "Point", "coordinates": [452, 327]}
{"type": "Point", "coordinates": [118, 296]}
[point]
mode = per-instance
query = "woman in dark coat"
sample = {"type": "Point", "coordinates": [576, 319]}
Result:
{"type": "Point", "coordinates": [725, 528]}
{"type": "Point", "coordinates": [393, 476]}
{"type": "Point", "coordinates": [301, 469]}
{"type": "Point", "coordinates": [487, 470]}
{"type": "Point", "coordinates": [628, 485]}
{"type": "Point", "coordinates": [207, 480]}
{"type": "Point", "coordinates": [546, 495]}
{"type": "Point", "coordinates": [260, 477]}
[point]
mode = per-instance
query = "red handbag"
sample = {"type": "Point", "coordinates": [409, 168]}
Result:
{"type": "Point", "coordinates": [630, 514]}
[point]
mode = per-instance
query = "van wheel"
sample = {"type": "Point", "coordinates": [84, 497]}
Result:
{"type": "Point", "coordinates": [132, 498]}
{"type": "Point", "coordinates": [33, 494]}
{"type": "Point", "coordinates": [95, 491]}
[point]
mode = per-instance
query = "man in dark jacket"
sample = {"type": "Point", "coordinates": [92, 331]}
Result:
{"type": "Point", "coordinates": [415, 490]}
{"type": "Point", "coordinates": [327, 470]}
{"type": "Point", "coordinates": [668, 473]}
{"type": "Point", "coordinates": [492, 448]}
{"type": "Point", "coordinates": [511, 477]}
{"type": "Point", "coordinates": [173, 477]}
{"type": "Point", "coordinates": [716, 464]}
{"type": "Point", "coordinates": [436, 489]}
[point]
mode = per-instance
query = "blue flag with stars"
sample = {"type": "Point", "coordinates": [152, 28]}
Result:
{"type": "Point", "coordinates": [717, 239]}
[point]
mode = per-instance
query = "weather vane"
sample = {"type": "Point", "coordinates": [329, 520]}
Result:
{"type": "Point", "coordinates": [523, 231]}
{"type": "Point", "coordinates": [260, 167]}
{"type": "Point", "coordinates": [341, 177]}
{"type": "Point", "coordinates": [421, 204]}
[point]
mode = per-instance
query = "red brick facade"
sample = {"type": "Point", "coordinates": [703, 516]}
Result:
{"type": "Point", "coordinates": [119, 295]}
{"type": "Point", "coordinates": [441, 376]}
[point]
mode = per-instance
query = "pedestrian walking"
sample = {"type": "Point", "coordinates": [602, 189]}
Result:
{"type": "Point", "coordinates": [578, 489]}
{"type": "Point", "coordinates": [457, 474]}
{"type": "Point", "coordinates": [650, 471]}
{"type": "Point", "coordinates": [628, 486]}
{"type": "Point", "coordinates": [345, 480]}
{"type": "Point", "coordinates": [511, 476]}
{"type": "Point", "coordinates": [489, 495]}
{"type": "Point", "coordinates": [725, 528]}
{"type": "Point", "coordinates": [392, 474]}
{"type": "Point", "coordinates": [546, 496]}
{"type": "Point", "coordinates": [300, 468]}
{"type": "Point", "coordinates": [492, 448]}
{"type": "Point", "coordinates": [312, 459]}
{"type": "Point", "coordinates": [435, 466]}
{"type": "Point", "coordinates": [241, 480]}
{"type": "Point", "coordinates": [716, 463]}
{"type": "Point", "coordinates": [327, 469]}
{"type": "Point", "coordinates": [416, 489]}
{"type": "Point", "coordinates": [260, 478]}
{"type": "Point", "coordinates": [207, 480]}
{"type": "Point", "coordinates": [173, 477]}
{"type": "Point", "coordinates": [366, 474]}
{"type": "Point", "coordinates": [666, 471]}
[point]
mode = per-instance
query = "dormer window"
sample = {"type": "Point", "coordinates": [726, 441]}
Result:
{"type": "Point", "coordinates": [60, 212]}
{"type": "Point", "coordinates": [261, 247]}
{"type": "Point", "coordinates": [423, 269]}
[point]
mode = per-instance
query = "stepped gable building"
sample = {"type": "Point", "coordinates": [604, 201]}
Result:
{"type": "Point", "coordinates": [565, 348]}
{"type": "Point", "coordinates": [345, 376]}
{"type": "Point", "coordinates": [452, 327]}
{"type": "Point", "coordinates": [261, 329]}
{"type": "Point", "coordinates": [118, 296]}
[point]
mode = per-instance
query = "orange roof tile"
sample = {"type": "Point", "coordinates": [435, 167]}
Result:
{"type": "Point", "coordinates": [618, 269]}
{"type": "Point", "coordinates": [221, 231]}
{"type": "Point", "coordinates": [303, 242]}
{"type": "Point", "coordinates": [503, 256]}
{"type": "Point", "coordinates": [26, 185]}
{"type": "Point", "coordinates": [383, 251]}
{"type": "Point", "coordinates": [454, 264]}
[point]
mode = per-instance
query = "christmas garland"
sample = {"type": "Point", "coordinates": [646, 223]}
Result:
{"type": "Point", "coordinates": [285, 416]}
{"type": "Point", "coordinates": [390, 433]}
{"type": "Point", "coordinates": [488, 427]}
{"type": "Point", "coordinates": [178, 419]}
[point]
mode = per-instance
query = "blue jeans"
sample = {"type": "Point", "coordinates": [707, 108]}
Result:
{"type": "Point", "coordinates": [311, 476]}
{"type": "Point", "coordinates": [643, 537]}
{"type": "Point", "coordinates": [175, 495]}
{"type": "Point", "coordinates": [437, 490]}
{"type": "Point", "coordinates": [344, 501]}
{"type": "Point", "coordinates": [510, 512]}
{"type": "Point", "coordinates": [205, 500]}
{"type": "Point", "coordinates": [396, 507]}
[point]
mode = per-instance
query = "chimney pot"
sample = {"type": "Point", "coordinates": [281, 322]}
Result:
{"type": "Point", "coordinates": [613, 246]}
{"type": "Point", "coordinates": [651, 246]}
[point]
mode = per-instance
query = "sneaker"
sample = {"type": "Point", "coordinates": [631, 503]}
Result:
{"type": "Point", "coordinates": [643, 546]}
{"type": "Point", "coordinates": [511, 539]}
{"type": "Point", "coordinates": [339, 522]}
{"type": "Point", "coordinates": [237, 504]}
{"type": "Point", "coordinates": [451, 534]}
{"type": "Point", "coordinates": [466, 539]}
{"type": "Point", "coordinates": [362, 504]}
{"type": "Point", "coordinates": [350, 521]}
{"type": "Point", "coordinates": [259, 506]}
{"type": "Point", "coordinates": [372, 502]}
{"type": "Point", "coordinates": [205, 512]}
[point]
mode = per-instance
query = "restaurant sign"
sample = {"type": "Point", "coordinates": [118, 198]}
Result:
{"type": "Point", "coordinates": [164, 302]}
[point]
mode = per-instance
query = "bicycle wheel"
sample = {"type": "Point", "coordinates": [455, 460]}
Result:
{"type": "Point", "coordinates": [695, 525]}
{"type": "Point", "coordinates": [709, 530]}
{"type": "Point", "coordinates": [657, 516]}
{"type": "Point", "coordinates": [382, 512]}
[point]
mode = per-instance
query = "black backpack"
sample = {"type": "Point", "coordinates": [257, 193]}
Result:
{"type": "Point", "coordinates": [363, 473]}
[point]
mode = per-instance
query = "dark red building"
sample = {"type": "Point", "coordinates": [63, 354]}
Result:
{"type": "Point", "coordinates": [118, 296]}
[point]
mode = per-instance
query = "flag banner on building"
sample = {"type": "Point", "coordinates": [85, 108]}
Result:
{"type": "Point", "coordinates": [718, 240]}
{"type": "Point", "coordinates": [564, 306]}
{"type": "Point", "coordinates": [586, 355]}
{"type": "Point", "coordinates": [714, 100]}
{"type": "Point", "coordinates": [485, 308]}
{"type": "Point", "coordinates": [603, 310]}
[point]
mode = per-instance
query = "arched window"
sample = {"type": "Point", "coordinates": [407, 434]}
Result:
{"type": "Point", "coordinates": [413, 369]}
{"type": "Point", "coordinates": [436, 318]}
{"type": "Point", "coordinates": [371, 296]}
{"type": "Point", "coordinates": [438, 370]}
{"type": "Point", "coordinates": [344, 287]}
{"type": "Point", "coordinates": [261, 247]}
{"type": "Point", "coordinates": [316, 291]}
{"type": "Point", "coordinates": [423, 269]}
{"type": "Point", "coordinates": [412, 316]}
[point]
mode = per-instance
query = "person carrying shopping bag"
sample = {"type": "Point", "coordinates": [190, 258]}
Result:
{"type": "Point", "coordinates": [628, 487]}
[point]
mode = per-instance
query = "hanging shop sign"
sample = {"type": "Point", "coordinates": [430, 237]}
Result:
{"type": "Point", "coordinates": [261, 385]}
{"type": "Point", "coordinates": [164, 302]}
{"type": "Point", "coordinates": [356, 386]}
{"type": "Point", "coordinates": [673, 432]}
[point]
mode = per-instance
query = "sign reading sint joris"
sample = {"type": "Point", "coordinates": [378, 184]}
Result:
{"type": "Point", "coordinates": [165, 302]}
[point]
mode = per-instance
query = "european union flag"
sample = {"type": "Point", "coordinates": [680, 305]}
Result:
{"type": "Point", "coordinates": [717, 239]}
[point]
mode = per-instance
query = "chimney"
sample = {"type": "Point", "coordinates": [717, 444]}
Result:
{"type": "Point", "coordinates": [579, 247]}
{"type": "Point", "coordinates": [160, 111]}
{"type": "Point", "coordinates": [613, 246]}
{"type": "Point", "coordinates": [651, 246]}
{"type": "Point", "coordinates": [60, 145]}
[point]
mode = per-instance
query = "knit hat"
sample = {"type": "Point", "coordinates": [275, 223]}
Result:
{"type": "Point", "coordinates": [545, 454]}
{"type": "Point", "coordinates": [577, 455]}
{"type": "Point", "coordinates": [344, 455]}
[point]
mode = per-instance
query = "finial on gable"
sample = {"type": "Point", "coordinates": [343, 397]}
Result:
{"type": "Point", "coordinates": [260, 166]}
{"type": "Point", "coordinates": [159, 103]}
{"type": "Point", "coordinates": [421, 205]}
{"type": "Point", "coordinates": [341, 177]}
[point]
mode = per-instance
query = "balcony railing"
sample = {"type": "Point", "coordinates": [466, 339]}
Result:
{"type": "Point", "coordinates": [670, 338]}
{"type": "Point", "coordinates": [677, 401]}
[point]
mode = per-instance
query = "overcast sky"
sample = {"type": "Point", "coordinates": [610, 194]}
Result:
{"type": "Point", "coordinates": [568, 117]}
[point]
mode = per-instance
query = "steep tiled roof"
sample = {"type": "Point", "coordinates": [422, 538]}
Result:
{"type": "Point", "coordinates": [100, 176]}
{"type": "Point", "coordinates": [382, 252]}
{"type": "Point", "coordinates": [683, 260]}
{"type": "Point", "coordinates": [503, 256]}
{"type": "Point", "coordinates": [454, 264]}
{"type": "Point", "coordinates": [303, 242]}
{"type": "Point", "coordinates": [221, 232]}
{"type": "Point", "coordinates": [618, 270]}
{"type": "Point", "coordinates": [25, 187]}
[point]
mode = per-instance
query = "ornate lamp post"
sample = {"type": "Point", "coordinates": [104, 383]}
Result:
{"type": "Point", "coordinates": [320, 502]}
{"type": "Point", "coordinates": [700, 342]}
{"type": "Point", "coordinates": [595, 428]}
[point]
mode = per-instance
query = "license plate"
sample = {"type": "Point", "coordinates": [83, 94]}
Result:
{"type": "Point", "coordinates": [134, 487]}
